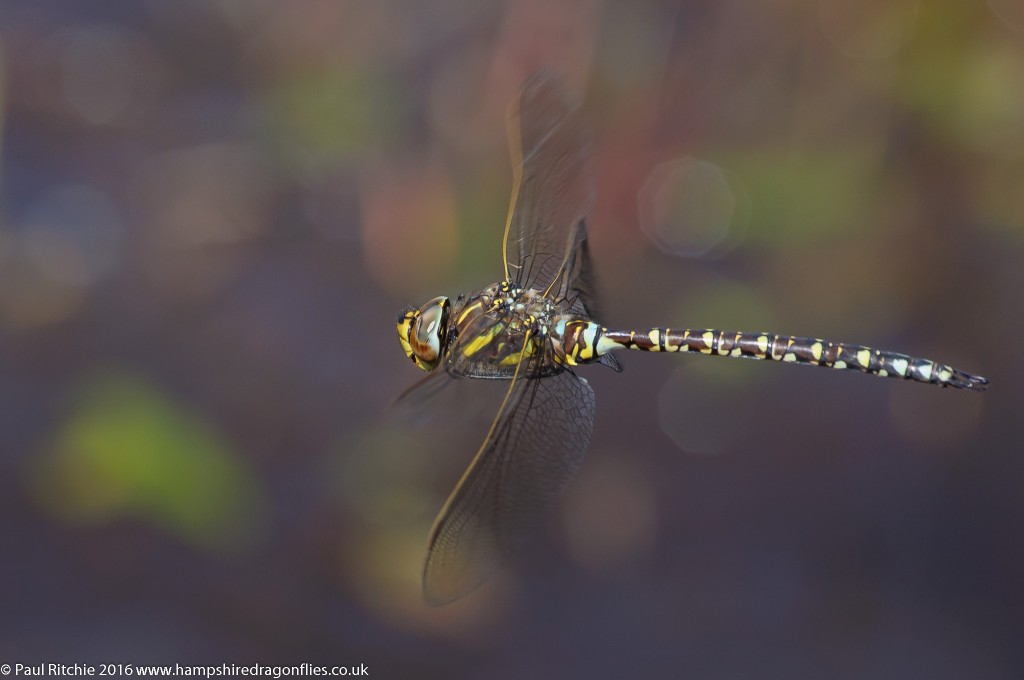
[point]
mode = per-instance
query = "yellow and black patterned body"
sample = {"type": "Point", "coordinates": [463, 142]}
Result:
{"type": "Point", "coordinates": [586, 342]}
{"type": "Point", "coordinates": [494, 331]}
{"type": "Point", "coordinates": [500, 330]}
{"type": "Point", "coordinates": [534, 327]}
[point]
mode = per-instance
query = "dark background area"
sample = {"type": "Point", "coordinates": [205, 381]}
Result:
{"type": "Point", "coordinates": [211, 214]}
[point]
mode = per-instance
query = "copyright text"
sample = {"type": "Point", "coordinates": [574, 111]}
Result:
{"type": "Point", "coordinates": [224, 670]}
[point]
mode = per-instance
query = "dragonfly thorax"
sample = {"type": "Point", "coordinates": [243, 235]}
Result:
{"type": "Point", "coordinates": [423, 332]}
{"type": "Point", "coordinates": [487, 334]}
{"type": "Point", "coordinates": [515, 308]}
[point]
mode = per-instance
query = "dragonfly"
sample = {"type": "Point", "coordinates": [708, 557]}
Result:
{"type": "Point", "coordinates": [536, 326]}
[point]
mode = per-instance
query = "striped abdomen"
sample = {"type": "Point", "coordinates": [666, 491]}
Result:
{"type": "Point", "coordinates": [584, 342]}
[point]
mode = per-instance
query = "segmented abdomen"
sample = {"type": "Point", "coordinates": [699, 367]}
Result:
{"type": "Point", "coordinates": [587, 342]}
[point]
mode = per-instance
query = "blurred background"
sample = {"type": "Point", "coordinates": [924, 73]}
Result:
{"type": "Point", "coordinates": [212, 213]}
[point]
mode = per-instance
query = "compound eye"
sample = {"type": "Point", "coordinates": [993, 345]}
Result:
{"type": "Point", "coordinates": [428, 332]}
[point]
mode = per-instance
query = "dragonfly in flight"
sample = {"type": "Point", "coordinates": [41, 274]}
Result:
{"type": "Point", "coordinates": [536, 326]}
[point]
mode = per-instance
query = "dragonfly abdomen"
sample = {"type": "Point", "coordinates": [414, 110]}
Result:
{"type": "Point", "coordinates": [587, 341]}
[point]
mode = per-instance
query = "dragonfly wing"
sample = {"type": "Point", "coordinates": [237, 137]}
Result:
{"type": "Point", "coordinates": [553, 192]}
{"type": "Point", "coordinates": [482, 346]}
{"type": "Point", "coordinates": [532, 451]}
{"type": "Point", "coordinates": [422, 391]}
{"type": "Point", "coordinates": [577, 285]}
{"type": "Point", "coordinates": [554, 187]}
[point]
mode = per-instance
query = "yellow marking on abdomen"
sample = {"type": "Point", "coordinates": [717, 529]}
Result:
{"type": "Point", "coordinates": [709, 341]}
{"type": "Point", "coordinates": [605, 345]}
{"type": "Point", "coordinates": [864, 357]}
{"type": "Point", "coordinates": [721, 345]}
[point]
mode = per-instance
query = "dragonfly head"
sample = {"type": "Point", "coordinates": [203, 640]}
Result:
{"type": "Point", "coordinates": [423, 331]}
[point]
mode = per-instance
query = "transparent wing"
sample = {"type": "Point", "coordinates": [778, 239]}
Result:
{"type": "Point", "coordinates": [553, 187]}
{"type": "Point", "coordinates": [578, 286]}
{"type": "Point", "coordinates": [532, 451]}
{"type": "Point", "coordinates": [422, 391]}
{"type": "Point", "coordinates": [494, 341]}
